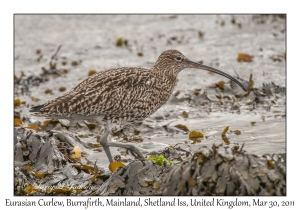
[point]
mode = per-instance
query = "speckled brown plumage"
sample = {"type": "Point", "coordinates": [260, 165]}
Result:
{"type": "Point", "coordinates": [122, 96]}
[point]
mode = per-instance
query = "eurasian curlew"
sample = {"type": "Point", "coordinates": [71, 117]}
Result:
{"type": "Point", "coordinates": [122, 97]}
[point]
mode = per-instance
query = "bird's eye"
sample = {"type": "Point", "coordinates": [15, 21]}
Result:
{"type": "Point", "coordinates": [178, 58]}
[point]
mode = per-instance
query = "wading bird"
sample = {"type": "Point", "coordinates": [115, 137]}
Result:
{"type": "Point", "coordinates": [121, 97]}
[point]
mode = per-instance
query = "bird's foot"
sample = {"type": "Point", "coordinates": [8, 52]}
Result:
{"type": "Point", "coordinates": [138, 157]}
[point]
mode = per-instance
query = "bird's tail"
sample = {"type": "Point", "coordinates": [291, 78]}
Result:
{"type": "Point", "coordinates": [36, 108]}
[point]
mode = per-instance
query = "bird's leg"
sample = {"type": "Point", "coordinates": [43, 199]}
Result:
{"type": "Point", "coordinates": [128, 146]}
{"type": "Point", "coordinates": [104, 143]}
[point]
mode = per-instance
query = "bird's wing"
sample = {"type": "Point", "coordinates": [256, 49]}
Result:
{"type": "Point", "coordinates": [102, 93]}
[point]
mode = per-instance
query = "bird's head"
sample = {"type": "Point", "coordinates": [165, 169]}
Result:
{"type": "Point", "coordinates": [172, 62]}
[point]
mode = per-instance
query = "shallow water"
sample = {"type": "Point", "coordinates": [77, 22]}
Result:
{"type": "Point", "coordinates": [92, 39]}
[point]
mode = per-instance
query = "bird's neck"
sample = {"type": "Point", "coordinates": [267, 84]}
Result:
{"type": "Point", "coordinates": [169, 75]}
{"type": "Point", "coordinates": [165, 82]}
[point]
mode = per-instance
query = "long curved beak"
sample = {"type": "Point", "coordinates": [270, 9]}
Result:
{"type": "Point", "coordinates": [191, 64]}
